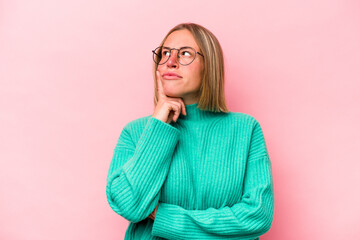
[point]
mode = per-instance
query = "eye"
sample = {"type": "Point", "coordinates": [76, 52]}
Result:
{"type": "Point", "coordinates": [183, 53]}
{"type": "Point", "coordinates": [164, 52]}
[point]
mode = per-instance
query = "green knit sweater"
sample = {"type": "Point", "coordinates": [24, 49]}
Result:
{"type": "Point", "coordinates": [210, 173]}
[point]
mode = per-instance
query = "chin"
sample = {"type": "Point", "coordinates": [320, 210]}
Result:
{"type": "Point", "coordinates": [172, 94]}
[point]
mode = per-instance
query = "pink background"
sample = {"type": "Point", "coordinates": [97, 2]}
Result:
{"type": "Point", "coordinates": [67, 90]}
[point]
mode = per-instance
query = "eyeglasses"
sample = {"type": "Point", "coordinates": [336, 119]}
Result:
{"type": "Point", "coordinates": [185, 55]}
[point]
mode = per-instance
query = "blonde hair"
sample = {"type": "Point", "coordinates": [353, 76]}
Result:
{"type": "Point", "coordinates": [212, 96]}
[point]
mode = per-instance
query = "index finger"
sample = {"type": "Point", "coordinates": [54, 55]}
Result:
{"type": "Point", "coordinates": [159, 83]}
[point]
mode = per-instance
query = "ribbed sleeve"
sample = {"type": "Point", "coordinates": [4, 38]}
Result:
{"type": "Point", "coordinates": [138, 170]}
{"type": "Point", "coordinates": [250, 218]}
{"type": "Point", "coordinates": [257, 145]}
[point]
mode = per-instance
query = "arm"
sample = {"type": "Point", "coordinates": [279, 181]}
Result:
{"type": "Point", "coordinates": [137, 171]}
{"type": "Point", "coordinates": [250, 218]}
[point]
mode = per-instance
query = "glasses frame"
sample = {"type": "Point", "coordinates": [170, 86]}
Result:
{"type": "Point", "coordinates": [177, 56]}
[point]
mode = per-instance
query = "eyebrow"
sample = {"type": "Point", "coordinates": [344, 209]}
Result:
{"type": "Point", "coordinates": [180, 47]}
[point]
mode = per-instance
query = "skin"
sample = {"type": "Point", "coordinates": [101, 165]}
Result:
{"type": "Point", "coordinates": [187, 87]}
{"type": "Point", "coordinates": [173, 95]}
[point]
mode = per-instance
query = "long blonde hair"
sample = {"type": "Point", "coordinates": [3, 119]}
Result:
{"type": "Point", "coordinates": [212, 96]}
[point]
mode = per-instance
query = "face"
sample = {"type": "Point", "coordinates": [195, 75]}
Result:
{"type": "Point", "coordinates": [188, 84]}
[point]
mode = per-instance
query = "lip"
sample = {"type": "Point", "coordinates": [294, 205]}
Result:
{"type": "Point", "coordinates": [170, 75]}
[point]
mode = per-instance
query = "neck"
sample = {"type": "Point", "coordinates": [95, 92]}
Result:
{"type": "Point", "coordinates": [193, 113]}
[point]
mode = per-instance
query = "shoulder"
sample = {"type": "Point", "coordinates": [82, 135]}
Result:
{"type": "Point", "coordinates": [132, 130]}
{"type": "Point", "coordinates": [243, 119]}
{"type": "Point", "coordinates": [253, 134]}
{"type": "Point", "coordinates": [137, 124]}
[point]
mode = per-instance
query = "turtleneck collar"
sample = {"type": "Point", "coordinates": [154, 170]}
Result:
{"type": "Point", "coordinates": [193, 113]}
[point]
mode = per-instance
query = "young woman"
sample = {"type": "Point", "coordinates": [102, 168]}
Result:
{"type": "Point", "coordinates": [192, 169]}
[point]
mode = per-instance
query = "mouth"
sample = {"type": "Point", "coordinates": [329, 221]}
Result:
{"type": "Point", "coordinates": [171, 77]}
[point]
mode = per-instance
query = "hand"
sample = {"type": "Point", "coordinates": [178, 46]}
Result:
{"type": "Point", "coordinates": [167, 108]}
{"type": "Point", "coordinates": [152, 215]}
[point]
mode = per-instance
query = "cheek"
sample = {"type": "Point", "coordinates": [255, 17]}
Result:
{"type": "Point", "coordinates": [194, 77]}
{"type": "Point", "coordinates": [160, 67]}
{"type": "Point", "coordinates": [195, 72]}
{"type": "Point", "coordinates": [198, 73]}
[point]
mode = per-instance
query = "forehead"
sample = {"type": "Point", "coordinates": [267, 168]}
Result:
{"type": "Point", "coordinates": [180, 38]}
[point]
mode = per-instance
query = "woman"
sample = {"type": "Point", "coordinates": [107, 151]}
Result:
{"type": "Point", "coordinates": [192, 169]}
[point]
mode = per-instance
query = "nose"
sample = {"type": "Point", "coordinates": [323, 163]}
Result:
{"type": "Point", "coordinates": [172, 62]}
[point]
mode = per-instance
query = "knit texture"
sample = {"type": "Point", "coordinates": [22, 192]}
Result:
{"type": "Point", "coordinates": [210, 173]}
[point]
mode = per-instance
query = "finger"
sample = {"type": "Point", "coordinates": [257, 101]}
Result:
{"type": "Point", "coordinates": [170, 117]}
{"type": "Point", "coordinates": [177, 107]}
{"type": "Point", "coordinates": [183, 110]}
{"type": "Point", "coordinates": [182, 104]}
{"type": "Point", "coordinates": [159, 83]}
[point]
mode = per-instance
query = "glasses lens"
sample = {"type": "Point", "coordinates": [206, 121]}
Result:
{"type": "Point", "coordinates": [161, 55]}
{"type": "Point", "coordinates": [186, 55]}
